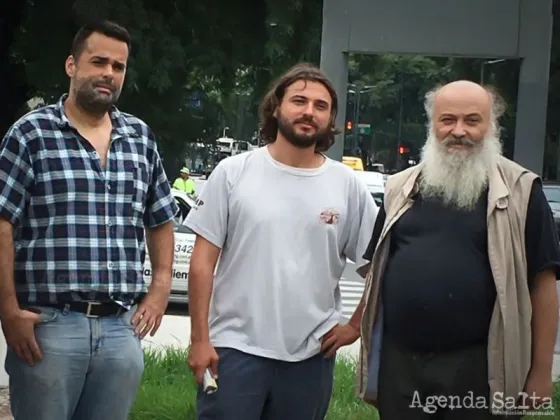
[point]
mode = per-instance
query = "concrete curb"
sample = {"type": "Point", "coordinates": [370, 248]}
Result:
{"type": "Point", "coordinates": [5, 413]}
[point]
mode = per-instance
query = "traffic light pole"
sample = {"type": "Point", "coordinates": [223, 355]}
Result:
{"type": "Point", "coordinates": [358, 87]}
{"type": "Point", "coordinates": [399, 164]}
{"type": "Point", "coordinates": [356, 120]}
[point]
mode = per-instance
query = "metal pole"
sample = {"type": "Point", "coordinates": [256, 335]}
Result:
{"type": "Point", "coordinates": [399, 127]}
{"type": "Point", "coordinates": [356, 120]}
{"type": "Point", "coordinates": [401, 106]}
{"type": "Point", "coordinates": [239, 132]}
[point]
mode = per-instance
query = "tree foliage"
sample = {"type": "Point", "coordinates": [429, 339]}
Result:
{"type": "Point", "coordinates": [198, 67]}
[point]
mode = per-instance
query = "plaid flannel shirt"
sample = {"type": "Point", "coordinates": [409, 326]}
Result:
{"type": "Point", "coordinates": [79, 226]}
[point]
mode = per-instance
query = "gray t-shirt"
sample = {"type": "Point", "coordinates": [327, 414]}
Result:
{"type": "Point", "coordinates": [285, 234]}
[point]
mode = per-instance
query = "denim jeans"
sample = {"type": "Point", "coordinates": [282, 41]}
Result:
{"type": "Point", "coordinates": [91, 369]}
{"type": "Point", "coordinates": [257, 388]}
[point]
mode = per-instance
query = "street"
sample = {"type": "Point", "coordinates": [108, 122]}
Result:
{"type": "Point", "coordinates": [351, 289]}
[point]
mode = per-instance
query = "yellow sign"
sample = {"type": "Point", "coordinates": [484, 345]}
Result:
{"type": "Point", "coordinates": [353, 162]}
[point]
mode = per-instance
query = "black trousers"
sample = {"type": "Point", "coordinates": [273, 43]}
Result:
{"type": "Point", "coordinates": [442, 386]}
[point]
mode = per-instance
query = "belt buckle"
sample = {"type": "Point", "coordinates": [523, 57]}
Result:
{"type": "Point", "coordinates": [88, 311]}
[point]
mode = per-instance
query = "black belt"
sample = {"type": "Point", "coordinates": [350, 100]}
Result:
{"type": "Point", "coordinates": [91, 309]}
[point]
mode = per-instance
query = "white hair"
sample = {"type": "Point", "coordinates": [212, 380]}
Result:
{"type": "Point", "coordinates": [497, 109]}
{"type": "Point", "coordinates": [459, 177]}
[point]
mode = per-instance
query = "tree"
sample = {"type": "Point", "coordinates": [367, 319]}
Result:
{"type": "Point", "coordinates": [14, 89]}
{"type": "Point", "coordinates": [179, 49]}
{"type": "Point", "coordinates": [292, 34]}
{"type": "Point", "coordinates": [197, 67]}
{"type": "Point", "coordinates": [393, 105]}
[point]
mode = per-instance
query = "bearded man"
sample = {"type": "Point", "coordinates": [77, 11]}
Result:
{"type": "Point", "coordinates": [460, 311]}
{"type": "Point", "coordinates": [278, 223]}
{"type": "Point", "coordinates": [83, 192]}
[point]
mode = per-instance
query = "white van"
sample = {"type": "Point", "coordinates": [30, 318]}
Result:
{"type": "Point", "coordinates": [375, 183]}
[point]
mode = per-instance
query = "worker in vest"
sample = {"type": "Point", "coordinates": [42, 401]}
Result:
{"type": "Point", "coordinates": [184, 183]}
{"type": "Point", "coordinates": [461, 298]}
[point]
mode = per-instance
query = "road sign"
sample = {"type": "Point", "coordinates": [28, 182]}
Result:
{"type": "Point", "coordinates": [364, 129]}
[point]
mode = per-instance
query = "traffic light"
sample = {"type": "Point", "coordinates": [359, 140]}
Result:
{"type": "Point", "coordinates": [349, 125]}
{"type": "Point", "coordinates": [402, 149]}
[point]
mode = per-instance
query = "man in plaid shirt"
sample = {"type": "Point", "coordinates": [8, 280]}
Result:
{"type": "Point", "coordinates": [80, 183]}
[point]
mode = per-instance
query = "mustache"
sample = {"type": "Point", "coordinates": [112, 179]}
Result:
{"type": "Point", "coordinates": [452, 140]}
{"type": "Point", "coordinates": [306, 120]}
{"type": "Point", "coordinates": [104, 84]}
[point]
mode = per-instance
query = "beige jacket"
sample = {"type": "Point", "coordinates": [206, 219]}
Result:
{"type": "Point", "coordinates": [509, 349]}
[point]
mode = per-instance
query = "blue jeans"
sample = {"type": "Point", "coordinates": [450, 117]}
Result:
{"type": "Point", "coordinates": [91, 369]}
{"type": "Point", "coordinates": [257, 388]}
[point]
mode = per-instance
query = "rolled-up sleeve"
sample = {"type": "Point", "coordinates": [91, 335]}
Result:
{"type": "Point", "coordinates": [160, 206]}
{"type": "Point", "coordinates": [16, 176]}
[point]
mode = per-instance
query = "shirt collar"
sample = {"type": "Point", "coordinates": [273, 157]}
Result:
{"type": "Point", "coordinates": [121, 126]}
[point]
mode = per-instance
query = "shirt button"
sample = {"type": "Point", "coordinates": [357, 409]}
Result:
{"type": "Point", "coordinates": [109, 187]}
{"type": "Point", "coordinates": [110, 264]}
{"type": "Point", "coordinates": [109, 223]}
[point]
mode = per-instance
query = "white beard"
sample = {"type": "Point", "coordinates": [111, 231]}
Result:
{"type": "Point", "coordinates": [458, 176]}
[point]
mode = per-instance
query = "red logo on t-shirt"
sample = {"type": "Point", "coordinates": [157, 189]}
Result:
{"type": "Point", "coordinates": [329, 217]}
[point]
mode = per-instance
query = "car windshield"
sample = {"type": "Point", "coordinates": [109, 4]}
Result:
{"type": "Point", "coordinates": [552, 193]}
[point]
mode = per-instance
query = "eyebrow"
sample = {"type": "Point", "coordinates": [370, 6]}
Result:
{"type": "Point", "coordinates": [321, 101]}
{"type": "Point", "coordinates": [106, 60]}
{"type": "Point", "coordinates": [471, 115]}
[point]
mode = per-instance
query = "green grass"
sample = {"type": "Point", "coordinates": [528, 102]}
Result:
{"type": "Point", "coordinates": [168, 391]}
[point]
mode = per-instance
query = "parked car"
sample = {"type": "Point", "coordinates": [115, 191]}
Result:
{"type": "Point", "coordinates": [184, 243]}
{"type": "Point", "coordinates": [375, 183]}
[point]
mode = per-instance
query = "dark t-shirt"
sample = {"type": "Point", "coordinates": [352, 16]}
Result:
{"type": "Point", "coordinates": [438, 290]}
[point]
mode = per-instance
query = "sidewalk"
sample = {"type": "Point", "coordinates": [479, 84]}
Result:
{"type": "Point", "coordinates": [4, 405]}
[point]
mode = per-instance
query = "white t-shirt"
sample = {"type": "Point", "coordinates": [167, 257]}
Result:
{"type": "Point", "coordinates": [285, 234]}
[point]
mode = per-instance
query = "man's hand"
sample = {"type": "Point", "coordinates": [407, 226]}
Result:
{"type": "Point", "coordinates": [538, 388]}
{"type": "Point", "coordinates": [202, 355]}
{"type": "Point", "coordinates": [19, 330]}
{"type": "Point", "coordinates": [161, 243]}
{"type": "Point", "coordinates": [150, 312]}
{"type": "Point", "coordinates": [340, 335]}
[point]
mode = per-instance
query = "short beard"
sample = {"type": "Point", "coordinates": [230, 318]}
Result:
{"type": "Point", "coordinates": [458, 177]}
{"type": "Point", "coordinates": [287, 129]}
{"type": "Point", "coordinates": [92, 102]}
